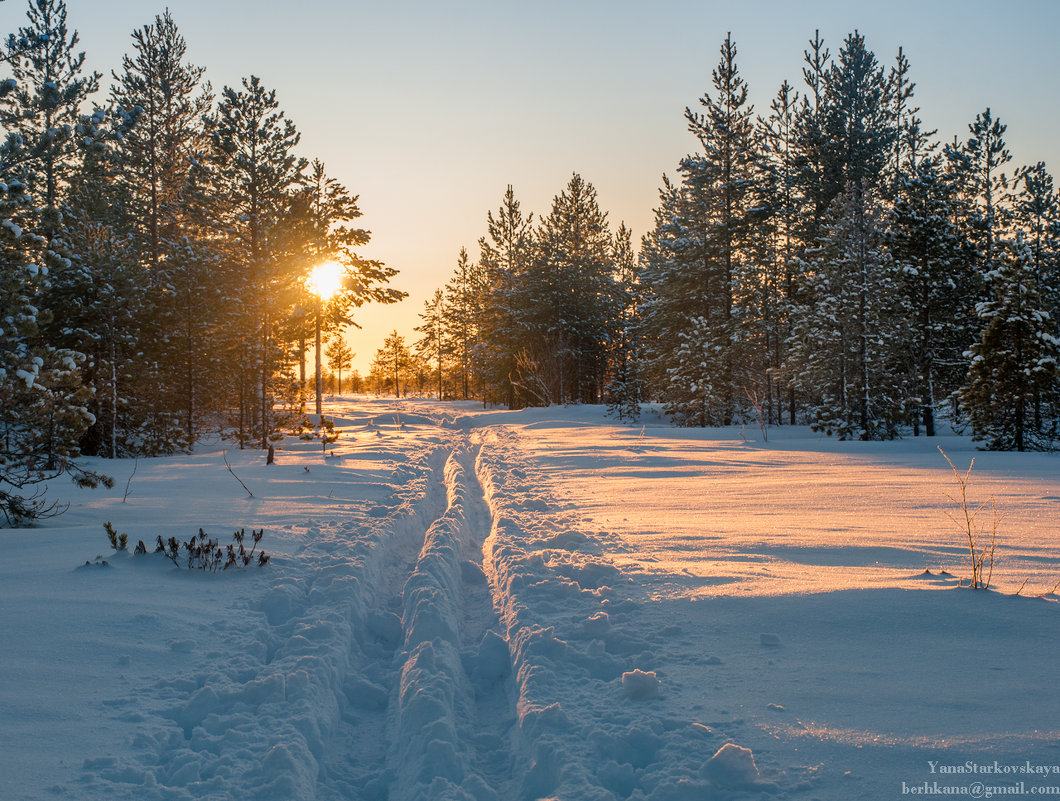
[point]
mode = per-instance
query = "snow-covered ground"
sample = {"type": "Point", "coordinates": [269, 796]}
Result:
{"type": "Point", "coordinates": [474, 604]}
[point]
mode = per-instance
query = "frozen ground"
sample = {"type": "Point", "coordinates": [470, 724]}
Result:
{"type": "Point", "coordinates": [469, 604]}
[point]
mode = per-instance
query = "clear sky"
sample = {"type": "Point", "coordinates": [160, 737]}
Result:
{"type": "Point", "coordinates": [428, 109]}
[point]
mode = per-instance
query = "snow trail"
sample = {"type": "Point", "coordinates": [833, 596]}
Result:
{"type": "Point", "coordinates": [453, 709]}
{"type": "Point", "coordinates": [429, 706]}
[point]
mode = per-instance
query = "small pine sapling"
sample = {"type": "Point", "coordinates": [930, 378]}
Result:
{"type": "Point", "coordinates": [205, 553]}
{"type": "Point", "coordinates": [119, 542]}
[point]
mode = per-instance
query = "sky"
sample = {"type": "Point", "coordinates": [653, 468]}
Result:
{"type": "Point", "coordinates": [429, 110]}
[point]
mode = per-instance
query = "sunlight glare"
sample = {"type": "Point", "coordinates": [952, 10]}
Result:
{"type": "Point", "coordinates": [325, 280]}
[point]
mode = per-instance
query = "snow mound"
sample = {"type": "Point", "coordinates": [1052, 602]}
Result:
{"type": "Point", "coordinates": [732, 767]}
{"type": "Point", "coordinates": [641, 685]}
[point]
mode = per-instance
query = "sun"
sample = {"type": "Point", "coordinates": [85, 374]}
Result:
{"type": "Point", "coordinates": [325, 280]}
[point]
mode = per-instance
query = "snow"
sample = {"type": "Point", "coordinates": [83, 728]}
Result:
{"type": "Point", "coordinates": [480, 604]}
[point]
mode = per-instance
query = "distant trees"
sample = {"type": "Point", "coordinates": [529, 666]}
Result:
{"type": "Point", "coordinates": [826, 263]}
{"type": "Point", "coordinates": [154, 251]}
{"type": "Point", "coordinates": [394, 366]}
{"type": "Point", "coordinates": [340, 357]}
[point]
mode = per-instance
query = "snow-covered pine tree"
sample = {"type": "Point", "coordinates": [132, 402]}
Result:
{"type": "Point", "coordinates": [505, 256]}
{"type": "Point", "coordinates": [935, 289]}
{"type": "Point", "coordinates": [837, 355]}
{"type": "Point", "coordinates": [43, 108]}
{"type": "Point", "coordinates": [672, 296]}
{"type": "Point", "coordinates": [625, 391]}
{"type": "Point", "coordinates": [780, 279]}
{"type": "Point", "coordinates": [432, 345]}
{"type": "Point", "coordinates": [840, 355]}
{"type": "Point", "coordinates": [102, 296]}
{"type": "Point", "coordinates": [42, 401]}
{"type": "Point", "coordinates": [569, 297]}
{"type": "Point", "coordinates": [1036, 212]}
{"type": "Point", "coordinates": [1015, 360]}
{"type": "Point", "coordinates": [157, 159]}
{"type": "Point", "coordinates": [706, 248]}
{"type": "Point", "coordinates": [462, 327]}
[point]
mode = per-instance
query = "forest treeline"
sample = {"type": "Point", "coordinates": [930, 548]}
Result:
{"type": "Point", "coordinates": [155, 239]}
{"type": "Point", "coordinates": [829, 261]}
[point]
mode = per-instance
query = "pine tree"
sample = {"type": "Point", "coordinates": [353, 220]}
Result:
{"type": "Point", "coordinates": [976, 167]}
{"type": "Point", "coordinates": [259, 176]}
{"type": "Point", "coordinates": [569, 298]}
{"type": "Point", "coordinates": [1015, 359]}
{"type": "Point", "coordinates": [340, 357]}
{"type": "Point", "coordinates": [934, 290]}
{"type": "Point", "coordinates": [393, 362]}
{"type": "Point", "coordinates": [43, 109]}
{"type": "Point", "coordinates": [706, 247]}
{"type": "Point", "coordinates": [859, 129]}
{"type": "Point", "coordinates": [839, 354]}
{"type": "Point", "coordinates": [626, 388]}
{"type": "Point", "coordinates": [811, 147]}
{"type": "Point", "coordinates": [505, 256]}
{"type": "Point", "coordinates": [103, 294]}
{"type": "Point", "coordinates": [160, 150]}
{"type": "Point", "coordinates": [42, 399]}
{"type": "Point", "coordinates": [1036, 213]}
{"type": "Point", "coordinates": [778, 192]}
{"type": "Point", "coordinates": [432, 345]}
{"type": "Point", "coordinates": [462, 321]}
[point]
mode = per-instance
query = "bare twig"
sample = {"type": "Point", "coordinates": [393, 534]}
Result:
{"type": "Point", "coordinates": [1050, 592]}
{"type": "Point", "coordinates": [129, 482]}
{"type": "Point", "coordinates": [965, 520]}
{"type": "Point", "coordinates": [756, 404]}
{"type": "Point", "coordinates": [224, 455]}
